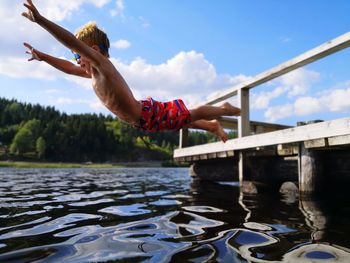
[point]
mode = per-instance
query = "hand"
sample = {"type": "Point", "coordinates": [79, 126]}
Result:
{"type": "Point", "coordinates": [36, 54]}
{"type": "Point", "coordinates": [32, 14]}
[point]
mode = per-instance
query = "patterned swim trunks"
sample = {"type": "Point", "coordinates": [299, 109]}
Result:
{"type": "Point", "coordinates": [160, 116]}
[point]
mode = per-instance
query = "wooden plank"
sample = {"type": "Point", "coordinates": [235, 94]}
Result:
{"type": "Point", "coordinates": [316, 143]}
{"type": "Point", "coordinates": [325, 129]}
{"type": "Point", "coordinates": [285, 149]}
{"type": "Point", "coordinates": [310, 56]}
{"type": "Point", "coordinates": [212, 155]}
{"type": "Point", "coordinates": [339, 140]}
{"type": "Point", "coordinates": [230, 153]}
{"type": "Point", "coordinates": [203, 157]}
{"type": "Point", "coordinates": [221, 155]}
{"type": "Point", "coordinates": [195, 158]}
{"type": "Point", "coordinates": [232, 123]}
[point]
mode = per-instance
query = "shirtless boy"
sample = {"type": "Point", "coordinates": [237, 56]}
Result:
{"type": "Point", "coordinates": [90, 47]}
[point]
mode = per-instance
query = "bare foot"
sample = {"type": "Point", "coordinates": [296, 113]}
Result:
{"type": "Point", "coordinates": [231, 110]}
{"type": "Point", "coordinates": [218, 130]}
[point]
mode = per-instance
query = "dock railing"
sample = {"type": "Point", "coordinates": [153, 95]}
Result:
{"type": "Point", "coordinates": [244, 125]}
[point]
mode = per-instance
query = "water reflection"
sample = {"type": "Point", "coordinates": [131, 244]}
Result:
{"type": "Point", "coordinates": [160, 215]}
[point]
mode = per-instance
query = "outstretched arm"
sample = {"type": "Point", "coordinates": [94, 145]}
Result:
{"type": "Point", "coordinates": [61, 34]}
{"type": "Point", "coordinates": [60, 64]}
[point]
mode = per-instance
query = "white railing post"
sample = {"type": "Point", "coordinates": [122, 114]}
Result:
{"type": "Point", "coordinates": [243, 120]}
{"type": "Point", "coordinates": [183, 138]}
{"type": "Point", "coordinates": [243, 126]}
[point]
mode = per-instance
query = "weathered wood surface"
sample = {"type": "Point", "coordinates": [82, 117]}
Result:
{"type": "Point", "coordinates": [327, 129]}
{"type": "Point", "coordinates": [310, 170]}
{"type": "Point", "coordinates": [255, 126]}
{"type": "Point", "coordinates": [243, 120]}
{"type": "Point", "coordinates": [315, 143]}
{"type": "Point", "coordinates": [183, 139]}
{"type": "Point", "coordinates": [310, 56]}
{"type": "Point", "coordinates": [339, 140]}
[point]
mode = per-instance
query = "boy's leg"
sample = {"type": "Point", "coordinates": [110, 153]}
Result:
{"type": "Point", "coordinates": [208, 112]}
{"type": "Point", "coordinates": [212, 126]}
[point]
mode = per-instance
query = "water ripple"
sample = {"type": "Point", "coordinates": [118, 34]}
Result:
{"type": "Point", "coordinates": [126, 210]}
{"type": "Point", "coordinates": [158, 215]}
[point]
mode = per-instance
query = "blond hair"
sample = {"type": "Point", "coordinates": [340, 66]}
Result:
{"type": "Point", "coordinates": [90, 34]}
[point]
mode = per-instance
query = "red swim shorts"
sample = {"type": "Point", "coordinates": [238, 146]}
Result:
{"type": "Point", "coordinates": [160, 116]}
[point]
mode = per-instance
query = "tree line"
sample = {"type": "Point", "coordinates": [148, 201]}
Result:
{"type": "Point", "coordinates": [38, 132]}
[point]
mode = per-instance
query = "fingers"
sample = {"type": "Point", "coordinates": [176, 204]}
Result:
{"type": "Point", "coordinates": [27, 45]}
{"type": "Point", "coordinates": [30, 52]}
{"type": "Point", "coordinates": [28, 15]}
{"type": "Point", "coordinates": [25, 15]}
{"type": "Point", "coordinates": [28, 6]}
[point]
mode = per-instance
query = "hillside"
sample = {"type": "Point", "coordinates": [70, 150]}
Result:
{"type": "Point", "coordinates": [35, 132]}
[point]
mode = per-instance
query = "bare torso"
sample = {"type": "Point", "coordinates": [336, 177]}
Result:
{"type": "Point", "coordinates": [114, 92]}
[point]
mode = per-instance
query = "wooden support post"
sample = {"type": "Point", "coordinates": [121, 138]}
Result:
{"type": "Point", "coordinates": [243, 127]}
{"type": "Point", "coordinates": [183, 139]}
{"type": "Point", "coordinates": [310, 170]}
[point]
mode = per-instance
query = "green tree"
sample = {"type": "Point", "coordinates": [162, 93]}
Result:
{"type": "Point", "coordinates": [24, 139]}
{"type": "Point", "coordinates": [40, 146]}
{"type": "Point", "coordinates": [23, 142]}
{"type": "Point", "coordinates": [34, 127]}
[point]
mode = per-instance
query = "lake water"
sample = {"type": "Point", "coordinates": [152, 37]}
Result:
{"type": "Point", "coordinates": [160, 215]}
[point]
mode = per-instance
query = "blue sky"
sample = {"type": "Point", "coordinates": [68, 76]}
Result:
{"type": "Point", "coordinates": [188, 49]}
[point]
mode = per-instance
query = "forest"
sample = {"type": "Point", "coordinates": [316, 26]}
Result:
{"type": "Point", "coordinates": [37, 133]}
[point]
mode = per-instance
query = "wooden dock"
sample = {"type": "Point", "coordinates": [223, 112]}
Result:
{"type": "Point", "coordinates": [311, 145]}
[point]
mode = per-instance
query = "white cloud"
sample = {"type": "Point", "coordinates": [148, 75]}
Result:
{"type": "Point", "coordinates": [298, 81]}
{"type": "Point", "coordinates": [52, 91]}
{"type": "Point", "coordinates": [295, 83]}
{"type": "Point", "coordinates": [16, 29]}
{"type": "Point", "coordinates": [121, 44]}
{"type": "Point", "coordinates": [21, 68]}
{"type": "Point", "coordinates": [51, 9]}
{"type": "Point", "coordinates": [187, 75]}
{"type": "Point", "coordinates": [279, 112]}
{"type": "Point", "coordinates": [61, 101]}
{"type": "Point", "coordinates": [94, 104]}
{"type": "Point", "coordinates": [60, 10]}
{"type": "Point", "coordinates": [337, 100]}
{"type": "Point", "coordinates": [331, 100]}
{"type": "Point", "coordinates": [144, 22]}
{"type": "Point", "coordinates": [80, 82]}
{"type": "Point", "coordinates": [119, 9]}
{"type": "Point", "coordinates": [307, 105]}
{"type": "Point", "coordinates": [262, 100]}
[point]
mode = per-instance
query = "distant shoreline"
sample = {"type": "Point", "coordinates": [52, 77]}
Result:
{"type": "Point", "coordinates": [11, 164]}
